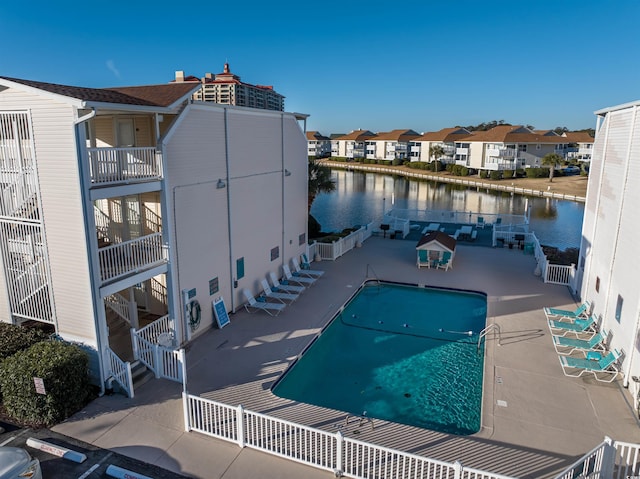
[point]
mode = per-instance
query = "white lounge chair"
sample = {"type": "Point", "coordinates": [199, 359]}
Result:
{"type": "Point", "coordinates": [283, 285]}
{"type": "Point", "coordinates": [301, 280]}
{"type": "Point", "coordinates": [305, 272]}
{"type": "Point", "coordinates": [267, 292]}
{"type": "Point", "coordinates": [272, 308]}
{"type": "Point", "coordinates": [565, 346]}
{"type": "Point", "coordinates": [577, 327]}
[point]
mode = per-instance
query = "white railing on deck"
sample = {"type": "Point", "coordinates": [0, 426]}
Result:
{"type": "Point", "coordinates": [559, 274]}
{"type": "Point", "coordinates": [462, 217]}
{"type": "Point", "coordinates": [161, 325]}
{"type": "Point", "coordinates": [118, 165]}
{"type": "Point", "coordinates": [332, 251]}
{"type": "Point", "coordinates": [123, 258]}
{"type": "Point", "coordinates": [120, 371]}
{"type": "Point", "coordinates": [627, 460]}
{"type": "Point", "coordinates": [324, 450]}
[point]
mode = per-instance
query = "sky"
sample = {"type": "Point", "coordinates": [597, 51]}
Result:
{"type": "Point", "coordinates": [375, 65]}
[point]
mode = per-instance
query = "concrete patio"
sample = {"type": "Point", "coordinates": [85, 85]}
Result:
{"type": "Point", "coordinates": [535, 421]}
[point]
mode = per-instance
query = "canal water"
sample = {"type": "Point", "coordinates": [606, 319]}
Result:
{"type": "Point", "coordinates": [360, 198]}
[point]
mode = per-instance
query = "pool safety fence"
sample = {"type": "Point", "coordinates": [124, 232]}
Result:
{"type": "Point", "coordinates": [347, 457]}
{"type": "Point", "coordinates": [343, 456]}
{"type": "Point", "coordinates": [332, 251]}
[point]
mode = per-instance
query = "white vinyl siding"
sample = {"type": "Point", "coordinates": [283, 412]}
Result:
{"type": "Point", "coordinates": [61, 210]}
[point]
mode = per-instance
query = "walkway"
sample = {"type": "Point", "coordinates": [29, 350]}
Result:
{"type": "Point", "coordinates": [535, 420]}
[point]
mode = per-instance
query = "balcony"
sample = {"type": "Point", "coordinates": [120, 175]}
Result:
{"type": "Point", "coordinates": [462, 151]}
{"type": "Point", "coordinates": [449, 150]}
{"type": "Point", "coordinates": [109, 166]}
{"type": "Point", "coordinates": [415, 149]}
{"type": "Point", "coordinates": [129, 257]}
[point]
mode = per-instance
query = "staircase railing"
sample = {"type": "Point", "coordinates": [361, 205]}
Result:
{"type": "Point", "coordinates": [120, 371]}
{"type": "Point", "coordinates": [119, 305]}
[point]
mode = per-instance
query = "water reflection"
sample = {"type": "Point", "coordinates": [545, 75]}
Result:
{"type": "Point", "coordinates": [361, 197]}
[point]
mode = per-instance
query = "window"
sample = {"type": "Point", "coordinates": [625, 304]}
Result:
{"type": "Point", "coordinates": [619, 308]}
{"type": "Point", "coordinates": [275, 253]}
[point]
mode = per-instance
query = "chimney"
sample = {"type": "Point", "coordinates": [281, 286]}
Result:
{"type": "Point", "coordinates": [179, 76]}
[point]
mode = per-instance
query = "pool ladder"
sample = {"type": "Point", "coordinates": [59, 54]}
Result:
{"type": "Point", "coordinates": [361, 419]}
{"type": "Point", "coordinates": [496, 330]}
{"type": "Point", "coordinates": [375, 276]}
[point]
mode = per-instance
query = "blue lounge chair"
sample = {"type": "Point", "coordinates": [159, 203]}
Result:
{"type": "Point", "coordinates": [565, 346]}
{"type": "Point", "coordinates": [281, 297]}
{"type": "Point", "coordinates": [300, 280]}
{"type": "Point", "coordinates": [598, 366]}
{"type": "Point", "coordinates": [562, 328]}
{"type": "Point", "coordinates": [480, 222]}
{"type": "Point", "coordinates": [272, 308]}
{"type": "Point", "coordinates": [283, 285]}
{"type": "Point", "coordinates": [310, 273]}
{"type": "Point", "coordinates": [580, 312]}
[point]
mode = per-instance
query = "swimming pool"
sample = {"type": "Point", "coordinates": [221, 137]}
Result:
{"type": "Point", "coordinates": [400, 353]}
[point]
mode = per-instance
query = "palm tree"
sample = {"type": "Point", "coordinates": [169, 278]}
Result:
{"type": "Point", "coordinates": [551, 160]}
{"type": "Point", "coordinates": [320, 181]}
{"type": "Point", "coordinates": [436, 152]}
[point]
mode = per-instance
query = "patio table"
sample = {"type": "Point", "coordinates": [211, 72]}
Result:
{"type": "Point", "coordinates": [465, 232]}
{"type": "Point", "coordinates": [433, 227]}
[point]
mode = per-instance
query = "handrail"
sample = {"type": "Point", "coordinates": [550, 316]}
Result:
{"type": "Point", "coordinates": [492, 327]}
{"type": "Point", "coordinates": [361, 418]}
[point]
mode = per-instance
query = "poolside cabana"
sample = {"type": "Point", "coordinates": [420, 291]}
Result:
{"type": "Point", "coordinates": [431, 249]}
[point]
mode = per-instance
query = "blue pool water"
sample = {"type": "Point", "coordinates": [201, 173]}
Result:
{"type": "Point", "coordinates": [400, 353]}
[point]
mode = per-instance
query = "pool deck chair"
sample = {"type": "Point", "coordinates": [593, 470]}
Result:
{"type": "Point", "coordinates": [305, 263]}
{"type": "Point", "coordinates": [445, 262]}
{"type": "Point", "coordinates": [297, 279]}
{"type": "Point", "coordinates": [284, 286]}
{"type": "Point", "coordinates": [604, 369]}
{"type": "Point", "coordinates": [297, 270]}
{"type": "Point", "coordinates": [272, 308]}
{"type": "Point", "coordinates": [565, 346]}
{"type": "Point", "coordinates": [268, 293]}
{"type": "Point", "coordinates": [480, 222]}
{"type": "Point", "coordinates": [581, 311]}
{"type": "Point", "coordinates": [577, 327]}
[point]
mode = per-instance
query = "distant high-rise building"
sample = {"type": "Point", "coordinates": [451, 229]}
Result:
{"type": "Point", "coordinates": [226, 88]}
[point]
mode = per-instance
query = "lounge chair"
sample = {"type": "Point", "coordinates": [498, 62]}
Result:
{"type": "Point", "coordinates": [565, 346]}
{"type": "Point", "coordinates": [445, 262]}
{"type": "Point", "coordinates": [598, 365]}
{"type": "Point", "coordinates": [581, 311]}
{"type": "Point", "coordinates": [498, 222]}
{"type": "Point", "coordinates": [283, 285]}
{"type": "Point", "coordinates": [272, 308]}
{"type": "Point", "coordinates": [480, 222]}
{"type": "Point", "coordinates": [306, 264]}
{"type": "Point", "coordinates": [578, 326]}
{"type": "Point", "coordinates": [300, 280]}
{"type": "Point", "coordinates": [305, 272]}
{"type": "Point", "coordinates": [423, 258]}
{"type": "Point", "coordinates": [267, 292]}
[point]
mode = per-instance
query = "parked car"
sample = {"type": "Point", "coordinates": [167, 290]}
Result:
{"type": "Point", "coordinates": [16, 463]}
{"type": "Point", "coordinates": [571, 170]}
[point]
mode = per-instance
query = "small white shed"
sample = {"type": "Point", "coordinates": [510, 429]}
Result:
{"type": "Point", "coordinates": [436, 250]}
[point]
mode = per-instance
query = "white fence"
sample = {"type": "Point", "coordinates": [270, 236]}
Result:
{"type": "Point", "coordinates": [608, 460]}
{"type": "Point", "coordinates": [165, 362]}
{"type": "Point", "coordinates": [332, 251]}
{"type": "Point", "coordinates": [463, 217]}
{"type": "Point", "coordinates": [120, 371]}
{"type": "Point", "coordinates": [117, 165]}
{"type": "Point", "coordinates": [333, 452]}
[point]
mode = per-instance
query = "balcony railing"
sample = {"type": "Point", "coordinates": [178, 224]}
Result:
{"type": "Point", "coordinates": [122, 259]}
{"type": "Point", "coordinates": [124, 165]}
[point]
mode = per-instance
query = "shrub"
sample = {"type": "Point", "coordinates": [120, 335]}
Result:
{"type": "Point", "coordinates": [16, 338]}
{"type": "Point", "coordinates": [484, 174]}
{"type": "Point", "coordinates": [520, 173]}
{"type": "Point", "coordinates": [63, 368]}
{"type": "Point", "coordinates": [537, 172]}
{"type": "Point", "coordinates": [507, 174]}
{"type": "Point", "coordinates": [384, 162]}
{"type": "Point", "coordinates": [496, 175]}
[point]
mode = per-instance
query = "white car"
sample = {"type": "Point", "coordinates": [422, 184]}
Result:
{"type": "Point", "coordinates": [16, 463]}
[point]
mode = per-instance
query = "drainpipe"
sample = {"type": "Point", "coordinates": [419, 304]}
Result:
{"type": "Point", "coordinates": [91, 244]}
{"type": "Point", "coordinates": [282, 177]}
{"type": "Point", "coordinates": [234, 281]}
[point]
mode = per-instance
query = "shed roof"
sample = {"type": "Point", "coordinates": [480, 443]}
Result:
{"type": "Point", "coordinates": [439, 237]}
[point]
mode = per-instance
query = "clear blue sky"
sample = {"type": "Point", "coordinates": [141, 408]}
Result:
{"type": "Point", "coordinates": [377, 65]}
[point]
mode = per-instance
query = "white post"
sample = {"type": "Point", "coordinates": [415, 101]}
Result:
{"type": "Point", "coordinates": [183, 365]}
{"type": "Point", "coordinates": [156, 362]}
{"type": "Point", "coordinates": [457, 470]}
{"type": "Point", "coordinates": [339, 466]}
{"type": "Point", "coordinates": [185, 410]}
{"type": "Point", "coordinates": [134, 343]}
{"type": "Point", "coordinates": [240, 424]}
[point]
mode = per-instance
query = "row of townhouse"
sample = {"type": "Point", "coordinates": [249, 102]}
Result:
{"type": "Point", "coordinates": [126, 206]}
{"type": "Point", "coordinates": [503, 147]}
